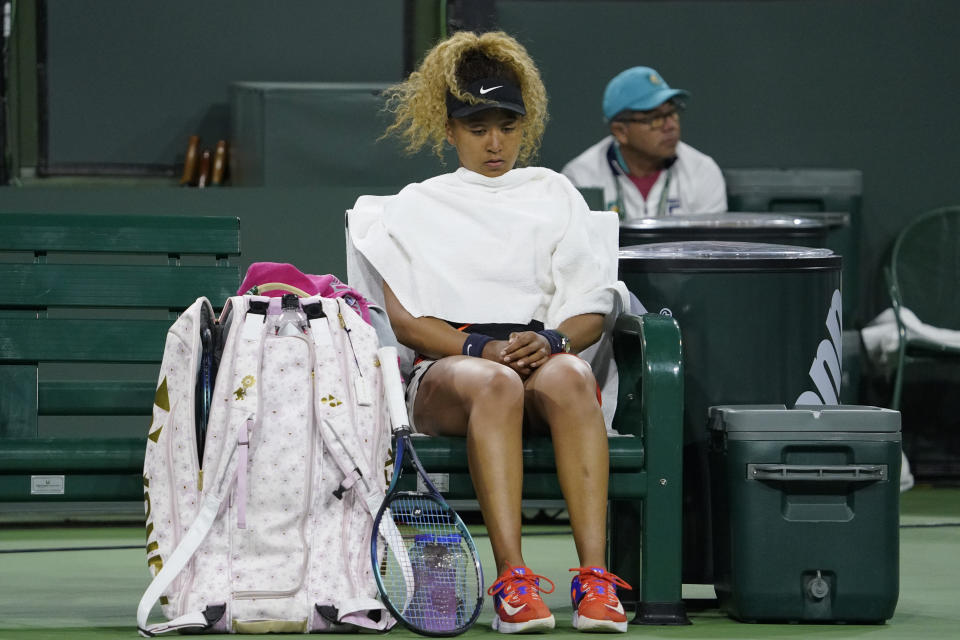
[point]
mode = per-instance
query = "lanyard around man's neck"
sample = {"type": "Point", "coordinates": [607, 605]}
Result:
{"type": "Point", "coordinates": [618, 168]}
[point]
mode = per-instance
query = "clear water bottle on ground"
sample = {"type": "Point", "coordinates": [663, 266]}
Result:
{"type": "Point", "coordinates": [434, 560]}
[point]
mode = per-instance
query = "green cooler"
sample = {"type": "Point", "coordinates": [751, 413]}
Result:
{"type": "Point", "coordinates": [806, 512]}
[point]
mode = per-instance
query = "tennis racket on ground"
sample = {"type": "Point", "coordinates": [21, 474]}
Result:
{"type": "Point", "coordinates": [429, 576]}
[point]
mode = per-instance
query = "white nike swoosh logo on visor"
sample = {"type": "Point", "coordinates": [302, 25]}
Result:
{"type": "Point", "coordinates": [511, 610]}
{"type": "Point", "coordinates": [486, 91]}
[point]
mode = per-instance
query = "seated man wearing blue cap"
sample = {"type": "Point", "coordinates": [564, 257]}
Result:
{"type": "Point", "coordinates": [643, 167]}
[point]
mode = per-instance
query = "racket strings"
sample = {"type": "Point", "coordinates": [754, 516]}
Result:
{"type": "Point", "coordinates": [428, 569]}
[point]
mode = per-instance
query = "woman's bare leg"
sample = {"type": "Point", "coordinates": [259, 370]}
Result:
{"type": "Point", "coordinates": [482, 400]}
{"type": "Point", "coordinates": [562, 396]}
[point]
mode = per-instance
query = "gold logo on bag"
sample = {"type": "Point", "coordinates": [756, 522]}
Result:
{"type": "Point", "coordinates": [330, 401]}
{"type": "Point", "coordinates": [246, 383]}
{"type": "Point", "coordinates": [162, 397]}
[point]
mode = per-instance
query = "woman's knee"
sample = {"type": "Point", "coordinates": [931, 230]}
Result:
{"type": "Point", "coordinates": [567, 377]}
{"type": "Point", "coordinates": [496, 383]}
{"type": "Point", "coordinates": [565, 389]}
{"type": "Point", "coordinates": [474, 383]}
{"type": "Point", "coordinates": [458, 391]}
{"type": "Point", "coordinates": [494, 406]}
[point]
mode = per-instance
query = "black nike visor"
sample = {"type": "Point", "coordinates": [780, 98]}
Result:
{"type": "Point", "coordinates": [494, 93]}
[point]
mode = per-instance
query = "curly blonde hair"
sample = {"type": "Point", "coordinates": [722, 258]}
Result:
{"type": "Point", "coordinates": [419, 103]}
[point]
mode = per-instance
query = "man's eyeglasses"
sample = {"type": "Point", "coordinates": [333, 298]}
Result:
{"type": "Point", "coordinates": [658, 120]}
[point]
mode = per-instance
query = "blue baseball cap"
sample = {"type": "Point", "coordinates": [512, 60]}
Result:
{"type": "Point", "coordinates": [637, 89]}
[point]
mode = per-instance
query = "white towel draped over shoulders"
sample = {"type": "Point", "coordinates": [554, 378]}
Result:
{"type": "Point", "coordinates": [468, 248]}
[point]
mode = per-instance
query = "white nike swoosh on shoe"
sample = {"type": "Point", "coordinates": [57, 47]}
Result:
{"type": "Point", "coordinates": [618, 608]}
{"type": "Point", "coordinates": [485, 91]}
{"type": "Point", "coordinates": [511, 610]}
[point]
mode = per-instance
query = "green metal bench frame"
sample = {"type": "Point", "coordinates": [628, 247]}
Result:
{"type": "Point", "coordinates": [62, 278]}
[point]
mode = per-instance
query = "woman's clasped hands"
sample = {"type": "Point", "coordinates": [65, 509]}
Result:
{"type": "Point", "coordinates": [523, 352]}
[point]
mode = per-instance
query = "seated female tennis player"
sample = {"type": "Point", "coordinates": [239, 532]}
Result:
{"type": "Point", "coordinates": [490, 278]}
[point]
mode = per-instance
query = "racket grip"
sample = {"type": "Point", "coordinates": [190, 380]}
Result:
{"type": "Point", "coordinates": [203, 179]}
{"type": "Point", "coordinates": [393, 387]}
{"type": "Point", "coordinates": [190, 162]}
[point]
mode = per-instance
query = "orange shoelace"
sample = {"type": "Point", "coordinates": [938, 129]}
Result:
{"type": "Point", "coordinates": [528, 577]}
{"type": "Point", "coordinates": [588, 576]}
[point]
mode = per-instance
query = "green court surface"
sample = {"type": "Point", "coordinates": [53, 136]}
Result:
{"type": "Point", "coordinates": [60, 582]}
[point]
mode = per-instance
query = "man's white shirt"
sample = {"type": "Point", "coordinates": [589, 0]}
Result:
{"type": "Point", "coordinates": [694, 183]}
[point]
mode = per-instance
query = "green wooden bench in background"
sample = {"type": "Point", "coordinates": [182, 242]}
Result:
{"type": "Point", "coordinates": [78, 294]}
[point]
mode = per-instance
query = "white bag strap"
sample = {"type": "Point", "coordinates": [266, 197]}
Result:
{"type": "Point", "coordinates": [194, 620]}
{"type": "Point", "coordinates": [353, 611]}
{"type": "Point", "coordinates": [196, 534]}
{"type": "Point", "coordinates": [250, 346]}
{"type": "Point", "coordinates": [171, 569]}
{"type": "Point", "coordinates": [353, 474]}
{"type": "Point", "coordinates": [322, 334]}
{"type": "Point", "coordinates": [356, 611]}
{"type": "Point", "coordinates": [369, 496]}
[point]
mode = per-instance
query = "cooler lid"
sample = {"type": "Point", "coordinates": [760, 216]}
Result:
{"type": "Point", "coordinates": [721, 250]}
{"type": "Point", "coordinates": [726, 221]}
{"type": "Point", "coordinates": [812, 418]}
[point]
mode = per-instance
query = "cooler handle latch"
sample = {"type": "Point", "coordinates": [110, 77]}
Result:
{"type": "Point", "coordinates": [817, 473]}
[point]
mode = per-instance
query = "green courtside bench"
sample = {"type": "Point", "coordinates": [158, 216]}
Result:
{"type": "Point", "coordinates": [645, 467]}
{"type": "Point", "coordinates": [46, 301]}
{"type": "Point", "coordinates": [80, 294]}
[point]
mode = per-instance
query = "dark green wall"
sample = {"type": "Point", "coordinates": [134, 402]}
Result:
{"type": "Point", "coordinates": [865, 84]}
{"type": "Point", "coordinates": [129, 82]}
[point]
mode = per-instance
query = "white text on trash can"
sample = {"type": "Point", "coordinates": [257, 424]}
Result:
{"type": "Point", "coordinates": [825, 370]}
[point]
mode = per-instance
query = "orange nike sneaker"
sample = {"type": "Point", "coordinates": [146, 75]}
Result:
{"type": "Point", "coordinates": [596, 606]}
{"type": "Point", "coordinates": [517, 605]}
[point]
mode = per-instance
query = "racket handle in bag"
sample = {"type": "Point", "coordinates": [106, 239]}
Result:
{"type": "Point", "coordinates": [393, 387]}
